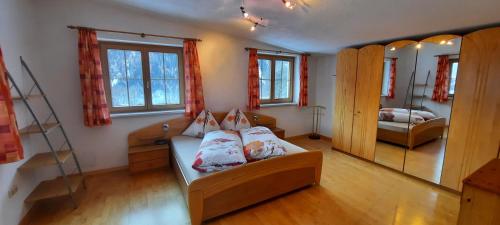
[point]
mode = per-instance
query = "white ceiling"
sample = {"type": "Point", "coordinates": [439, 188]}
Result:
{"type": "Point", "coordinates": [325, 26]}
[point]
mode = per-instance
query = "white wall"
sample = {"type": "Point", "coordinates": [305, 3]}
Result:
{"type": "Point", "coordinates": [223, 65]}
{"type": "Point", "coordinates": [324, 92]}
{"type": "Point", "coordinates": [16, 39]}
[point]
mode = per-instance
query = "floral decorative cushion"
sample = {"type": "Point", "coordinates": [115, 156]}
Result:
{"type": "Point", "coordinates": [261, 143]}
{"type": "Point", "coordinates": [235, 120]}
{"type": "Point", "coordinates": [204, 123]}
{"type": "Point", "coordinates": [399, 117]}
{"type": "Point", "coordinates": [219, 150]}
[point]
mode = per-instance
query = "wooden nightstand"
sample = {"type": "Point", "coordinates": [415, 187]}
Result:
{"type": "Point", "coordinates": [280, 133]}
{"type": "Point", "coordinates": [147, 157]}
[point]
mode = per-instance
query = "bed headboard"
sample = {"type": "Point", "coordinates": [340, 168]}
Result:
{"type": "Point", "coordinates": [151, 133]}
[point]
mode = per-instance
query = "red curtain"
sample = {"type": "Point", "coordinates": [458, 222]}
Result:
{"type": "Point", "coordinates": [192, 77]}
{"type": "Point", "coordinates": [392, 78]}
{"type": "Point", "coordinates": [95, 107]}
{"type": "Point", "coordinates": [253, 81]}
{"type": "Point", "coordinates": [303, 81]}
{"type": "Point", "coordinates": [11, 149]}
{"type": "Point", "coordinates": [440, 93]}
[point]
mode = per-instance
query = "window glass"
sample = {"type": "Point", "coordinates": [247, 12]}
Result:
{"type": "Point", "coordinates": [125, 73]}
{"type": "Point", "coordinates": [276, 78]}
{"type": "Point", "coordinates": [453, 77]}
{"type": "Point", "coordinates": [164, 75]}
{"type": "Point", "coordinates": [265, 78]}
{"type": "Point", "coordinates": [385, 80]}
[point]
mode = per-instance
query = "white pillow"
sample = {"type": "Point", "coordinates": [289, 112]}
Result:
{"type": "Point", "coordinates": [235, 120]}
{"type": "Point", "coordinates": [260, 143]}
{"type": "Point", "coordinates": [219, 150]}
{"type": "Point", "coordinates": [426, 115]}
{"type": "Point", "coordinates": [204, 123]}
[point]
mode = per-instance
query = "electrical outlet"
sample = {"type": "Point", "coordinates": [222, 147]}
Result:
{"type": "Point", "coordinates": [12, 191]}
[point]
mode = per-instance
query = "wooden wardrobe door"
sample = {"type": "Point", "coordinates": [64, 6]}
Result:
{"type": "Point", "coordinates": [474, 134]}
{"type": "Point", "coordinates": [347, 62]}
{"type": "Point", "coordinates": [367, 100]}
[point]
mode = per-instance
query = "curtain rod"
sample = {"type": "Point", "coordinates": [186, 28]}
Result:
{"type": "Point", "coordinates": [446, 54]}
{"type": "Point", "coordinates": [277, 51]}
{"type": "Point", "coordinates": [134, 33]}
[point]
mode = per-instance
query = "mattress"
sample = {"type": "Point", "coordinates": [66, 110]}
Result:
{"type": "Point", "coordinates": [184, 149]}
{"type": "Point", "coordinates": [394, 126]}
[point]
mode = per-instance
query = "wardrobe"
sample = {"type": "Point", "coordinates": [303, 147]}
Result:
{"type": "Point", "coordinates": [471, 134]}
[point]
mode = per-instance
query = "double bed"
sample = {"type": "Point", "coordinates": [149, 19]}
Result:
{"type": "Point", "coordinates": [209, 195]}
{"type": "Point", "coordinates": [411, 135]}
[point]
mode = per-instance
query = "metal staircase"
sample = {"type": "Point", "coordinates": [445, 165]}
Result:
{"type": "Point", "coordinates": [59, 154]}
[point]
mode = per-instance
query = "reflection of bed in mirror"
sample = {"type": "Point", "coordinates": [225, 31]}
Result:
{"type": "Point", "coordinates": [409, 134]}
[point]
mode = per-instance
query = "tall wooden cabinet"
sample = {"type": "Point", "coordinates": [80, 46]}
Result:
{"type": "Point", "coordinates": [367, 100]}
{"type": "Point", "coordinates": [347, 63]}
{"type": "Point", "coordinates": [359, 80]}
{"type": "Point", "coordinates": [474, 136]}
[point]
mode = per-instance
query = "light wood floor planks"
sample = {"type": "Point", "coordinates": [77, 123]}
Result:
{"type": "Point", "coordinates": [352, 191]}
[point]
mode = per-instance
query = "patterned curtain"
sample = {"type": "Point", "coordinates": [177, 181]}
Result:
{"type": "Point", "coordinates": [11, 149]}
{"type": "Point", "coordinates": [95, 107]}
{"type": "Point", "coordinates": [253, 81]}
{"type": "Point", "coordinates": [303, 81]}
{"type": "Point", "coordinates": [392, 78]}
{"type": "Point", "coordinates": [192, 77]}
{"type": "Point", "coordinates": [440, 93]}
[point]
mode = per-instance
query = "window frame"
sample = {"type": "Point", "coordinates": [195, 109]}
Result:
{"type": "Point", "coordinates": [451, 61]}
{"type": "Point", "coordinates": [273, 59]}
{"type": "Point", "coordinates": [385, 92]}
{"type": "Point", "coordinates": [145, 49]}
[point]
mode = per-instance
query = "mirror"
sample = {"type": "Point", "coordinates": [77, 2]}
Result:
{"type": "Point", "coordinates": [394, 115]}
{"type": "Point", "coordinates": [432, 91]}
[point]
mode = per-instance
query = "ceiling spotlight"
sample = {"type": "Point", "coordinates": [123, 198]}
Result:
{"type": "Point", "coordinates": [393, 49]}
{"type": "Point", "coordinates": [288, 4]}
{"type": "Point", "coordinates": [449, 43]}
{"type": "Point", "coordinates": [442, 42]}
{"type": "Point", "coordinates": [419, 46]}
{"type": "Point", "coordinates": [245, 14]}
{"type": "Point", "coordinates": [252, 28]}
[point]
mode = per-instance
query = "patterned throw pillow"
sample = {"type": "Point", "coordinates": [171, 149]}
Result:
{"type": "Point", "coordinates": [235, 120]}
{"type": "Point", "coordinates": [261, 143]}
{"type": "Point", "coordinates": [204, 123]}
{"type": "Point", "coordinates": [218, 151]}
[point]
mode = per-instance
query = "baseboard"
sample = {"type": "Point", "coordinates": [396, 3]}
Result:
{"type": "Point", "coordinates": [107, 170]}
{"type": "Point", "coordinates": [307, 135]}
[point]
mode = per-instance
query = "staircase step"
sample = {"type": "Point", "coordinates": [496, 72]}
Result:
{"type": "Point", "coordinates": [45, 159]}
{"type": "Point", "coordinates": [18, 98]}
{"type": "Point", "coordinates": [54, 188]}
{"type": "Point", "coordinates": [33, 129]}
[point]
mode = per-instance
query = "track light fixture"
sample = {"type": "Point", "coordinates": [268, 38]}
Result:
{"type": "Point", "coordinates": [289, 4]}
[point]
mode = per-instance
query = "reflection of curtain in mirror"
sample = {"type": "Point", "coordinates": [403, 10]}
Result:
{"type": "Point", "coordinates": [392, 78]}
{"type": "Point", "coordinates": [440, 93]}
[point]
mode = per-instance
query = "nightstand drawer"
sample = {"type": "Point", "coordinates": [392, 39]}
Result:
{"type": "Point", "coordinates": [147, 165]}
{"type": "Point", "coordinates": [145, 156]}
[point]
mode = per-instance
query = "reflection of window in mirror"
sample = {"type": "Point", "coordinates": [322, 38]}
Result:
{"type": "Point", "coordinates": [453, 76]}
{"type": "Point", "coordinates": [385, 81]}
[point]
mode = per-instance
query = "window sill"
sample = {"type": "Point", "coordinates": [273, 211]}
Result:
{"type": "Point", "coordinates": [269, 105]}
{"type": "Point", "coordinates": [152, 113]}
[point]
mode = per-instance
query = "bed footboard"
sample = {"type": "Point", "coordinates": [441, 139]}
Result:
{"type": "Point", "coordinates": [251, 183]}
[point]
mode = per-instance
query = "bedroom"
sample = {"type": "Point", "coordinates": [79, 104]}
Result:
{"type": "Point", "coordinates": [37, 31]}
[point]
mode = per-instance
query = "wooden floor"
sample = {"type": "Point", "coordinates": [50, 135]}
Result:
{"type": "Point", "coordinates": [425, 161]}
{"type": "Point", "coordinates": [352, 191]}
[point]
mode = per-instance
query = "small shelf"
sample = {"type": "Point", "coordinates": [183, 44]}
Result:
{"type": "Point", "coordinates": [45, 159]}
{"type": "Point", "coordinates": [18, 98]}
{"type": "Point", "coordinates": [33, 129]}
{"type": "Point", "coordinates": [147, 148]}
{"type": "Point", "coordinates": [54, 188]}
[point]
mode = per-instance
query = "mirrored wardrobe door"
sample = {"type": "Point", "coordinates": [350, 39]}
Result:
{"type": "Point", "coordinates": [430, 104]}
{"type": "Point", "coordinates": [392, 129]}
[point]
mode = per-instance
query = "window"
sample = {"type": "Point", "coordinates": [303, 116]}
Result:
{"type": "Point", "coordinates": [453, 75]}
{"type": "Point", "coordinates": [142, 78]}
{"type": "Point", "coordinates": [276, 78]}
{"type": "Point", "coordinates": [386, 80]}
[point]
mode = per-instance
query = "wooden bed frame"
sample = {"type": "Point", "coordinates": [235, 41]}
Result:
{"type": "Point", "coordinates": [419, 134]}
{"type": "Point", "coordinates": [226, 191]}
